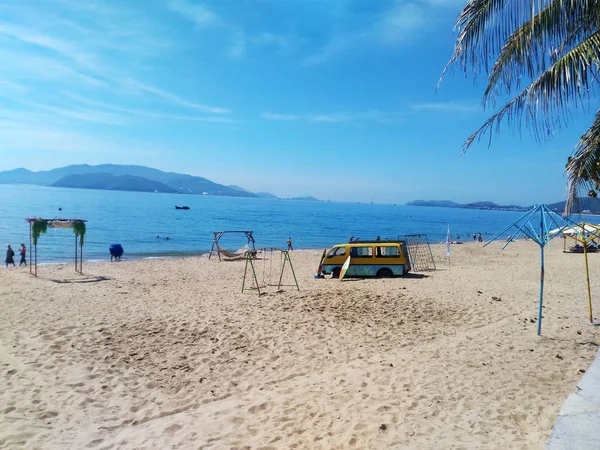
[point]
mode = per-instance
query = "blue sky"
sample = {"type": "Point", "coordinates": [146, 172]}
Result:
{"type": "Point", "coordinates": [331, 98]}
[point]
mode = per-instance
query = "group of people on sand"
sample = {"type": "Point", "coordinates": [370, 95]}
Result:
{"type": "Point", "coordinates": [10, 255]}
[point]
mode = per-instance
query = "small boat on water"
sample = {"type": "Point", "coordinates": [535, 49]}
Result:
{"type": "Point", "coordinates": [182, 207]}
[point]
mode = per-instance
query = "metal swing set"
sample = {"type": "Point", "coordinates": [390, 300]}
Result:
{"type": "Point", "coordinates": [250, 269]}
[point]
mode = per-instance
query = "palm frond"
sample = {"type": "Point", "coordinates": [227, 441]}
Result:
{"type": "Point", "coordinates": [583, 168]}
{"type": "Point", "coordinates": [486, 26]}
{"type": "Point", "coordinates": [546, 101]}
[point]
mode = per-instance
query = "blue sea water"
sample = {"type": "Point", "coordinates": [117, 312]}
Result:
{"type": "Point", "coordinates": [135, 219]}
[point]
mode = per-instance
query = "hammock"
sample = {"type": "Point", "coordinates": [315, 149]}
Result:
{"type": "Point", "coordinates": [240, 254]}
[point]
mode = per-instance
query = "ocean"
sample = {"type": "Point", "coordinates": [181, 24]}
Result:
{"type": "Point", "coordinates": [142, 221]}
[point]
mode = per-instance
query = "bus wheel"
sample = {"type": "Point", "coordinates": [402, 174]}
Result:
{"type": "Point", "coordinates": [384, 273]}
{"type": "Point", "coordinates": [335, 273]}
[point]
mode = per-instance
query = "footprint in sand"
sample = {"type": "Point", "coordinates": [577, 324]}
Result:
{"type": "Point", "coordinates": [172, 429]}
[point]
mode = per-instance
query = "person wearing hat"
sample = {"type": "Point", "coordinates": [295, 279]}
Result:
{"type": "Point", "coordinates": [23, 252]}
{"type": "Point", "coordinates": [9, 256]}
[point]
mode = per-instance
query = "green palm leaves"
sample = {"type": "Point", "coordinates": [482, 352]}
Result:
{"type": "Point", "coordinates": [545, 54]}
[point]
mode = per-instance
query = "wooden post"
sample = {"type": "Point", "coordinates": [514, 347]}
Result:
{"type": "Point", "coordinates": [76, 253]}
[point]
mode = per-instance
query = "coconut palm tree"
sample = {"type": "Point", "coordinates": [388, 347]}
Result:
{"type": "Point", "coordinates": [544, 57]}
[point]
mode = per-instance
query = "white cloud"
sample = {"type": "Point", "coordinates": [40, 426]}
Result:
{"type": "Point", "coordinates": [400, 23]}
{"type": "Point", "coordinates": [329, 118]}
{"type": "Point", "coordinates": [174, 98]}
{"type": "Point", "coordinates": [237, 48]}
{"type": "Point", "coordinates": [196, 13]}
{"type": "Point", "coordinates": [446, 107]}
{"type": "Point", "coordinates": [144, 113]}
{"type": "Point", "coordinates": [62, 47]}
{"type": "Point", "coordinates": [366, 116]}
{"type": "Point", "coordinates": [283, 117]}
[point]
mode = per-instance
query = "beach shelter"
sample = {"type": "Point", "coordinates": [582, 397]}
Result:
{"type": "Point", "coordinates": [587, 234]}
{"type": "Point", "coordinates": [537, 224]}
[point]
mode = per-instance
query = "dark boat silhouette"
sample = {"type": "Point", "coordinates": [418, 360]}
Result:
{"type": "Point", "coordinates": [182, 207]}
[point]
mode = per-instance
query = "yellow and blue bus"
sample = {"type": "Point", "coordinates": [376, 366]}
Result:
{"type": "Point", "coordinates": [368, 259]}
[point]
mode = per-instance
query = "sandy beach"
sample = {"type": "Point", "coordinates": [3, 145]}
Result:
{"type": "Point", "coordinates": [171, 354]}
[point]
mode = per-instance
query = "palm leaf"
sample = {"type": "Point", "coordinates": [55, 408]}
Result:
{"type": "Point", "coordinates": [583, 168]}
{"type": "Point", "coordinates": [546, 100]}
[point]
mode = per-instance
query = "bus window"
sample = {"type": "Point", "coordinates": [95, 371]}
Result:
{"type": "Point", "coordinates": [388, 252]}
{"type": "Point", "coordinates": [340, 251]}
{"type": "Point", "coordinates": [361, 252]}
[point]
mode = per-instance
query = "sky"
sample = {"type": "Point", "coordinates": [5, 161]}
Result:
{"type": "Point", "coordinates": [331, 98]}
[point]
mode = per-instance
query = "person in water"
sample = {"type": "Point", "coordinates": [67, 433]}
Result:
{"type": "Point", "coordinates": [23, 253]}
{"type": "Point", "coordinates": [9, 256]}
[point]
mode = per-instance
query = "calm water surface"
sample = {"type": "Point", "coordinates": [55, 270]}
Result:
{"type": "Point", "coordinates": [135, 219]}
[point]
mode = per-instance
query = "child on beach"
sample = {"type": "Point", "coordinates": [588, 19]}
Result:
{"type": "Point", "coordinates": [9, 256]}
{"type": "Point", "coordinates": [23, 252]}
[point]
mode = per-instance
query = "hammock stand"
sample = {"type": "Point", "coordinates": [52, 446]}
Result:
{"type": "Point", "coordinates": [232, 256]}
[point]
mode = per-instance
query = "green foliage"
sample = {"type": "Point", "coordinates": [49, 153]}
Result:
{"type": "Point", "coordinates": [544, 56]}
{"type": "Point", "coordinates": [79, 230]}
{"type": "Point", "coordinates": [39, 226]}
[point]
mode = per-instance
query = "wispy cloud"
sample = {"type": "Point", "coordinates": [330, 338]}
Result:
{"type": "Point", "coordinates": [144, 113]}
{"type": "Point", "coordinates": [401, 23]}
{"type": "Point", "coordinates": [367, 116]}
{"type": "Point", "coordinates": [446, 107]}
{"type": "Point", "coordinates": [197, 13]}
{"type": "Point", "coordinates": [329, 118]}
{"type": "Point", "coordinates": [283, 117]}
{"type": "Point", "coordinates": [237, 48]}
{"type": "Point", "coordinates": [173, 98]}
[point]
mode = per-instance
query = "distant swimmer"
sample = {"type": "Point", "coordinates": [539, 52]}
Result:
{"type": "Point", "coordinates": [59, 208]}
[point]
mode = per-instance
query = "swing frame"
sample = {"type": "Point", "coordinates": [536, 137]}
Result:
{"type": "Point", "coordinates": [250, 261]}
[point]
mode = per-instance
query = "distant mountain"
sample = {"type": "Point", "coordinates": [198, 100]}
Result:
{"type": "Point", "coordinates": [475, 205]}
{"type": "Point", "coordinates": [237, 188]}
{"type": "Point", "coordinates": [584, 205]}
{"type": "Point", "coordinates": [265, 195]}
{"type": "Point", "coordinates": [199, 185]}
{"type": "Point", "coordinates": [177, 182]}
{"type": "Point", "coordinates": [443, 203]}
{"type": "Point", "coordinates": [306, 199]}
{"type": "Point", "coordinates": [110, 182]}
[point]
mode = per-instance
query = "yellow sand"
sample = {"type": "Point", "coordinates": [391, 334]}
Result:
{"type": "Point", "coordinates": [170, 354]}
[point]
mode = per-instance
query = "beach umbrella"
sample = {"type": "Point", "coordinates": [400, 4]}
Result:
{"type": "Point", "coordinates": [585, 233]}
{"type": "Point", "coordinates": [536, 224]}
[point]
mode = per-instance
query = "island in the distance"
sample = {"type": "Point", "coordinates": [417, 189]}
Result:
{"type": "Point", "coordinates": [116, 177]}
{"type": "Point", "coordinates": [584, 205]}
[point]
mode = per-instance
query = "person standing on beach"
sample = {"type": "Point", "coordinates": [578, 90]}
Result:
{"type": "Point", "coordinates": [474, 236]}
{"type": "Point", "coordinates": [289, 243]}
{"type": "Point", "coordinates": [23, 252]}
{"type": "Point", "coordinates": [9, 256]}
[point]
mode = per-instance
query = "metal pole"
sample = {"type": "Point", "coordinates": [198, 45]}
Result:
{"type": "Point", "coordinates": [539, 330]}
{"type": "Point", "coordinates": [30, 270]}
{"type": "Point", "coordinates": [587, 277]}
{"type": "Point", "coordinates": [75, 253]}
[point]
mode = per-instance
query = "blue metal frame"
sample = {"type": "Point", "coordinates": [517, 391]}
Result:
{"type": "Point", "coordinates": [523, 226]}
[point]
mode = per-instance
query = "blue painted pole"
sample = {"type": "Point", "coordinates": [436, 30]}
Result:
{"type": "Point", "coordinates": [539, 330]}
